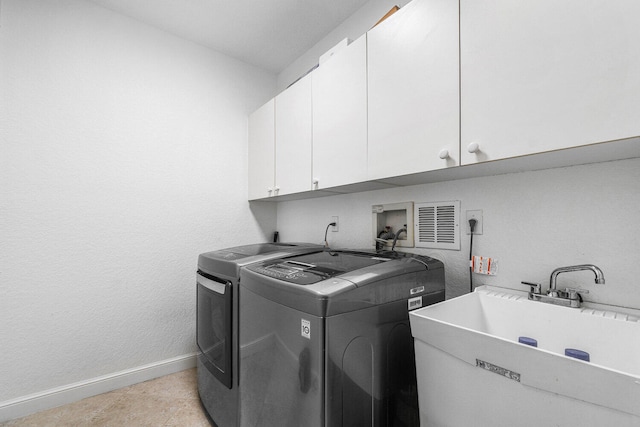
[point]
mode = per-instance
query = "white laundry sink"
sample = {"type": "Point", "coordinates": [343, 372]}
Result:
{"type": "Point", "coordinates": [473, 371]}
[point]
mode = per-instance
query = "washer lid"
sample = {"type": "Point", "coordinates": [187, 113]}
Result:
{"type": "Point", "coordinates": [327, 283]}
{"type": "Point", "coordinates": [315, 267]}
{"type": "Point", "coordinates": [240, 252]}
{"type": "Point", "coordinates": [225, 262]}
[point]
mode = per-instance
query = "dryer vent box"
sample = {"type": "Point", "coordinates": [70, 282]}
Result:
{"type": "Point", "coordinates": [388, 219]}
{"type": "Point", "coordinates": [438, 225]}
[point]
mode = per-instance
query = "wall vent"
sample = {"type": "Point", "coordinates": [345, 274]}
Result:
{"type": "Point", "coordinates": [437, 225]}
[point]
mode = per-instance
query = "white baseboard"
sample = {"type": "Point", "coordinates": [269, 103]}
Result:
{"type": "Point", "coordinates": [30, 404]}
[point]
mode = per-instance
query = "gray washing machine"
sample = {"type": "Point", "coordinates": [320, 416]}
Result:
{"type": "Point", "coordinates": [217, 323]}
{"type": "Point", "coordinates": [325, 338]}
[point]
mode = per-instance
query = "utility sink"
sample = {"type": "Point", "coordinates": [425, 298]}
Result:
{"type": "Point", "coordinates": [472, 370]}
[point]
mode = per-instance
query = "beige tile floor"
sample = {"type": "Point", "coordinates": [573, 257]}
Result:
{"type": "Point", "coordinates": [169, 401]}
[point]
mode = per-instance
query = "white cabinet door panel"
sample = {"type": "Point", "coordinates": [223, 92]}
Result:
{"type": "Point", "coordinates": [340, 117]}
{"type": "Point", "coordinates": [413, 72]}
{"type": "Point", "coordinates": [262, 151]}
{"type": "Point", "coordinates": [541, 75]}
{"type": "Point", "coordinates": [293, 138]}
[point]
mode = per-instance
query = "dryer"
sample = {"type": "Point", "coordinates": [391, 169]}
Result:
{"type": "Point", "coordinates": [325, 338]}
{"type": "Point", "coordinates": [217, 322]}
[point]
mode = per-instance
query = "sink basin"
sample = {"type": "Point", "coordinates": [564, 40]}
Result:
{"type": "Point", "coordinates": [473, 371]}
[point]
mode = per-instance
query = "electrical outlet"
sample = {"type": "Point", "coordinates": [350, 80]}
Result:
{"type": "Point", "coordinates": [335, 227]}
{"type": "Point", "coordinates": [477, 215]}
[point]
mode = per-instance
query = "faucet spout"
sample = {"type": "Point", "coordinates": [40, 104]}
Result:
{"type": "Point", "coordinates": [599, 276]}
{"type": "Point", "coordinates": [554, 275]}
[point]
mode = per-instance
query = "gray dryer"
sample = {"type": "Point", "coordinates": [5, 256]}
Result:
{"type": "Point", "coordinates": [217, 322]}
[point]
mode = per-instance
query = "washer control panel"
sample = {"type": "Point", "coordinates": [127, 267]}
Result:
{"type": "Point", "coordinates": [295, 272]}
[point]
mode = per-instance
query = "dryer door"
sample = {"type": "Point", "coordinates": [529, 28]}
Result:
{"type": "Point", "coordinates": [213, 325]}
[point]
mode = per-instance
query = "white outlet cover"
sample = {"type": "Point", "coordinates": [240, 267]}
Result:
{"type": "Point", "coordinates": [477, 215]}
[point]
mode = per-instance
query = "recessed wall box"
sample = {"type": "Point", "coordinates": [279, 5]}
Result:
{"type": "Point", "coordinates": [388, 219]}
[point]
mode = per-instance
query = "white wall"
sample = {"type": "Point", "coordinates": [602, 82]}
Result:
{"type": "Point", "coordinates": [534, 222]}
{"type": "Point", "coordinates": [123, 156]}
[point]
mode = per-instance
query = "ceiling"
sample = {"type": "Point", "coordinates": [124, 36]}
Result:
{"type": "Point", "coordinates": [268, 33]}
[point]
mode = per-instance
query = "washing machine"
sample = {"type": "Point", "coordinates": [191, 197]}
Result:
{"type": "Point", "coordinates": [325, 338]}
{"type": "Point", "coordinates": [217, 323]}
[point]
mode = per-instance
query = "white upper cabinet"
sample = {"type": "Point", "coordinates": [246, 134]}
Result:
{"type": "Point", "coordinates": [541, 75]}
{"type": "Point", "coordinates": [447, 83]}
{"type": "Point", "coordinates": [262, 152]}
{"type": "Point", "coordinates": [293, 139]}
{"type": "Point", "coordinates": [340, 117]}
{"type": "Point", "coordinates": [413, 72]}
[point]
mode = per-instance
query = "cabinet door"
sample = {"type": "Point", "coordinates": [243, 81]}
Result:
{"type": "Point", "coordinates": [340, 117]}
{"type": "Point", "coordinates": [541, 75]}
{"type": "Point", "coordinates": [293, 138]}
{"type": "Point", "coordinates": [413, 69]}
{"type": "Point", "coordinates": [262, 151]}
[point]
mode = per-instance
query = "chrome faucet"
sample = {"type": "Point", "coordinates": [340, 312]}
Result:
{"type": "Point", "coordinates": [569, 297]}
{"type": "Point", "coordinates": [554, 275]}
